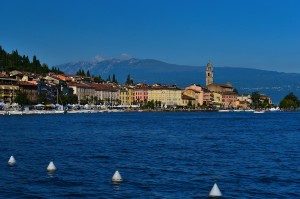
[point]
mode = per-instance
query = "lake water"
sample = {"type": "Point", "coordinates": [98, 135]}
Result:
{"type": "Point", "coordinates": [159, 155]}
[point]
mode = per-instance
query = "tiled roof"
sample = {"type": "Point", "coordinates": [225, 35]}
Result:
{"type": "Point", "coordinates": [185, 97]}
{"type": "Point", "coordinates": [103, 87]}
{"type": "Point", "coordinates": [22, 83]}
{"type": "Point", "coordinates": [78, 84]}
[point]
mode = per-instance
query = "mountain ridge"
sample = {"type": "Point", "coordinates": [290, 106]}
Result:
{"type": "Point", "coordinates": [150, 71]}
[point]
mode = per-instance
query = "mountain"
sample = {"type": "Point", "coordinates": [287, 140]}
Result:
{"type": "Point", "coordinates": [245, 80]}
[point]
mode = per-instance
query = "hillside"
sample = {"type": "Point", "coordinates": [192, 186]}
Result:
{"type": "Point", "coordinates": [246, 80]}
{"type": "Point", "coordinates": [15, 61]}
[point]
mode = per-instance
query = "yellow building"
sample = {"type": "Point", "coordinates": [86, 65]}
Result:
{"type": "Point", "coordinates": [217, 98]}
{"type": "Point", "coordinates": [188, 100]}
{"type": "Point", "coordinates": [8, 90]}
{"type": "Point", "coordinates": [166, 95]}
{"type": "Point", "coordinates": [127, 95]}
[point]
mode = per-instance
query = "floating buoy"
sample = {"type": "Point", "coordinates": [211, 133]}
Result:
{"type": "Point", "coordinates": [51, 167]}
{"type": "Point", "coordinates": [215, 191]}
{"type": "Point", "coordinates": [117, 177]}
{"type": "Point", "coordinates": [12, 161]}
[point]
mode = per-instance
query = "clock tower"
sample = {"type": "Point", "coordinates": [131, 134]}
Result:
{"type": "Point", "coordinates": [209, 74]}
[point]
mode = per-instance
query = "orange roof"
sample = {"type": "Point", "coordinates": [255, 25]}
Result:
{"type": "Point", "coordinates": [142, 87]}
{"type": "Point", "coordinates": [78, 84]}
{"type": "Point", "coordinates": [22, 83]}
{"type": "Point", "coordinates": [187, 97]}
{"type": "Point", "coordinates": [103, 87]}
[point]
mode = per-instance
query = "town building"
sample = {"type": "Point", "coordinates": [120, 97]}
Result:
{"type": "Point", "coordinates": [243, 101]}
{"type": "Point", "coordinates": [165, 95]}
{"type": "Point", "coordinates": [83, 91]}
{"type": "Point", "coordinates": [229, 99]}
{"type": "Point", "coordinates": [127, 95]}
{"type": "Point", "coordinates": [188, 101]}
{"type": "Point", "coordinates": [220, 94]}
{"type": "Point", "coordinates": [196, 92]}
{"type": "Point", "coordinates": [217, 99]}
{"type": "Point", "coordinates": [265, 98]}
{"type": "Point", "coordinates": [30, 89]}
{"type": "Point", "coordinates": [8, 89]}
{"type": "Point", "coordinates": [141, 93]}
{"type": "Point", "coordinates": [106, 94]}
{"type": "Point", "coordinates": [207, 97]}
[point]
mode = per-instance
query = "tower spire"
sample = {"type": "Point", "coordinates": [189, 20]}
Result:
{"type": "Point", "coordinates": [209, 73]}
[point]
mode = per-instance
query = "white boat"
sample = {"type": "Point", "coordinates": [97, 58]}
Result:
{"type": "Point", "coordinates": [224, 110]}
{"type": "Point", "coordinates": [238, 110]}
{"type": "Point", "coordinates": [262, 111]}
{"type": "Point", "coordinates": [274, 109]}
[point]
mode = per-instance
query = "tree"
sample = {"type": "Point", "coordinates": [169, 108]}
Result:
{"type": "Point", "coordinates": [80, 72]}
{"type": "Point", "coordinates": [108, 78]}
{"type": "Point", "coordinates": [69, 99]}
{"type": "Point", "coordinates": [255, 97]}
{"type": "Point", "coordinates": [98, 79]}
{"type": "Point", "coordinates": [14, 61]}
{"type": "Point", "coordinates": [290, 102]}
{"type": "Point", "coordinates": [292, 97]}
{"type": "Point", "coordinates": [114, 80]}
{"type": "Point", "coordinates": [129, 81]}
{"type": "Point", "coordinates": [22, 98]}
{"type": "Point", "coordinates": [88, 73]}
{"type": "Point", "coordinates": [42, 99]}
{"type": "Point", "coordinates": [54, 69]}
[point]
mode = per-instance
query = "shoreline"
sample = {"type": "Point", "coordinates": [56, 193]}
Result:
{"type": "Point", "coordinates": [42, 112]}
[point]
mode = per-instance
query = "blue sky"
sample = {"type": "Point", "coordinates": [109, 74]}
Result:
{"type": "Point", "coordinates": [238, 33]}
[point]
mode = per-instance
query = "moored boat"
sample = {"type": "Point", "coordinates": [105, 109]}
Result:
{"type": "Point", "coordinates": [259, 111]}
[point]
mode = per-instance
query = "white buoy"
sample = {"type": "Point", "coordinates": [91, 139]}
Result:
{"type": "Point", "coordinates": [117, 177]}
{"type": "Point", "coordinates": [51, 167]}
{"type": "Point", "coordinates": [12, 161]}
{"type": "Point", "coordinates": [215, 191]}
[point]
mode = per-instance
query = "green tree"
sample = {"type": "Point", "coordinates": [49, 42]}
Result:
{"type": "Point", "coordinates": [42, 99]}
{"type": "Point", "coordinates": [255, 97]}
{"type": "Point", "coordinates": [15, 61]}
{"type": "Point", "coordinates": [290, 102]}
{"type": "Point", "coordinates": [69, 99]}
{"type": "Point", "coordinates": [88, 73]}
{"type": "Point", "coordinates": [292, 97]}
{"type": "Point", "coordinates": [129, 80]}
{"type": "Point", "coordinates": [80, 72]}
{"type": "Point", "coordinates": [22, 98]}
{"type": "Point", "coordinates": [189, 105]}
{"type": "Point", "coordinates": [108, 78]}
{"type": "Point", "coordinates": [114, 80]}
{"type": "Point", "coordinates": [98, 79]}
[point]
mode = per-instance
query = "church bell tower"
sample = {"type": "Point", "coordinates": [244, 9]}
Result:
{"type": "Point", "coordinates": [209, 74]}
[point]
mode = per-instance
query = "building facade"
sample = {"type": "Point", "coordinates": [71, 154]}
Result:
{"type": "Point", "coordinates": [127, 95]}
{"type": "Point", "coordinates": [30, 89]}
{"type": "Point", "coordinates": [106, 94]}
{"type": "Point", "coordinates": [196, 92]}
{"type": "Point", "coordinates": [166, 95]}
{"type": "Point", "coordinates": [141, 94]}
{"type": "Point", "coordinates": [83, 91]}
{"type": "Point", "coordinates": [8, 90]}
